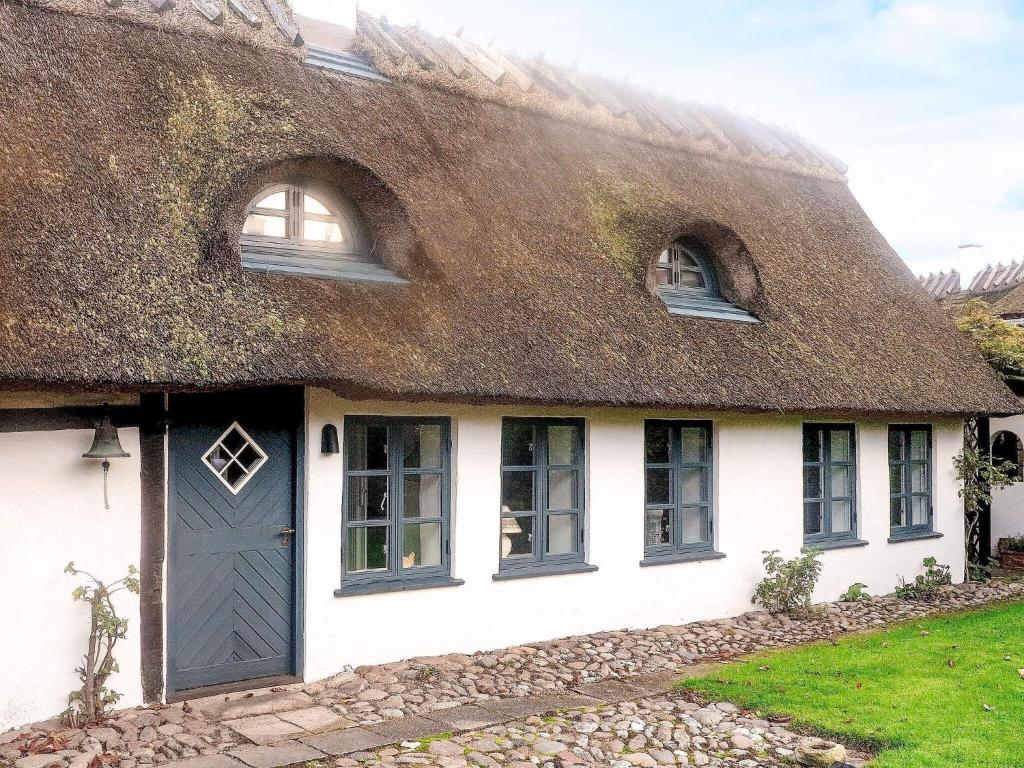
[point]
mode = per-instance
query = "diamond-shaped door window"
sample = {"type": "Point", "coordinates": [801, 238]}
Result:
{"type": "Point", "coordinates": [235, 458]}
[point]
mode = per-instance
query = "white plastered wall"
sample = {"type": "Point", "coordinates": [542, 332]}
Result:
{"type": "Point", "coordinates": [51, 512]}
{"type": "Point", "coordinates": [759, 501]}
{"type": "Point", "coordinates": [1008, 502]}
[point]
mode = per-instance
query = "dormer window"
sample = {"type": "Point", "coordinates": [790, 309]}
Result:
{"type": "Point", "coordinates": [290, 228]}
{"type": "Point", "coordinates": [686, 282]}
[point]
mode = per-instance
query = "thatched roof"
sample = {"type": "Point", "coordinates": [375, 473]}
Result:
{"type": "Point", "coordinates": [129, 155]}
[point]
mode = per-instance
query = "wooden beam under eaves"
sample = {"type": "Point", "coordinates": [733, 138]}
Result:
{"type": "Point", "coordinates": [160, 5]}
{"type": "Point", "coordinates": [284, 22]}
{"type": "Point", "coordinates": [113, 3]}
{"type": "Point", "coordinates": [246, 13]}
{"type": "Point", "coordinates": [212, 10]}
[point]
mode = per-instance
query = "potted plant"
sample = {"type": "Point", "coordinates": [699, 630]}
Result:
{"type": "Point", "coordinates": [1011, 552]}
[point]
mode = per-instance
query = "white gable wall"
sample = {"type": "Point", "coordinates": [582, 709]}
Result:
{"type": "Point", "coordinates": [51, 512]}
{"type": "Point", "coordinates": [758, 470]}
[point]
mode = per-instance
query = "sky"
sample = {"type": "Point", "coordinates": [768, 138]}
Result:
{"type": "Point", "coordinates": [924, 99]}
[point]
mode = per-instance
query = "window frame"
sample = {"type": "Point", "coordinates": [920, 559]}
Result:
{"type": "Point", "coordinates": [396, 577]}
{"type": "Point", "coordinates": [906, 465]}
{"type": "Point", "coordinates": [539, 561]}
{"type": "Point", "coordinates": [701, 258]}
{"type": "Point", "coordinates": [295, 217]}
{"type": "Point", "coordinates": [675, 466]}
{"type": "Point", "coordinates": [827, 536]}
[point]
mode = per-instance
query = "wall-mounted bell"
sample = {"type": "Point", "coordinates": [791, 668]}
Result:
{"type": "Point", "coordinates": [106, 445]}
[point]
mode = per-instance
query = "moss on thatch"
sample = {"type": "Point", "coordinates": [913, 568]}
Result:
{"type": "Point", "coordinates": [131, 154]}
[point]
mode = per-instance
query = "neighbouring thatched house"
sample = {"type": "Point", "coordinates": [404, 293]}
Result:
{"type": "Point", "coordinates": [419, 347]}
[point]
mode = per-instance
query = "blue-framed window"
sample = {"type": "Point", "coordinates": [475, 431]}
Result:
{"type": "Point", "coordinates": [397, 500]}
{"type": "Point", "coordinates": [542, 493]}
{"type": "Point", "coordinates": [678, 508]}
{"type": "Point", "coordinates": [910, 480]}
{"type": "Point", "coordinates": [830, 483]}
{"type": "Point", "coordinates": [688, 285]}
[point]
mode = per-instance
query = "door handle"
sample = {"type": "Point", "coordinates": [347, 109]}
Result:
{"type": "Point", "coordinates": [286, 536]}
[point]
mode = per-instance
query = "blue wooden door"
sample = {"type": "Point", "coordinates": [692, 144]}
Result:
{"type": "Point", "coordinates": [232, 498]}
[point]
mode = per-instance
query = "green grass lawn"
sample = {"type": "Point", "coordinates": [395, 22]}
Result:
{"type": "Point", "coordinates": [919, 691]}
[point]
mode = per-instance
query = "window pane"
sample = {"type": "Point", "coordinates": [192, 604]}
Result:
{"type": "Point", "coordinates": [812, 517]}
{"type": "Point", "coordinates": [842, 516]}
{"type": "Point", "coordinates": [561, 534]}
{"type": "Point", "coordinates": [897, 511]}
{"type": "Point", "coordinates": [562, 489]}
{"type": "Point", "coordinates": [658, 443]}
{"type": "Point", "coordinates": [688, 279]}
{"type": "Point", "coordinates": [562, 444]}
{"type": "Point", "coordinates": [658, 527]}
{"type": "Point", "coordinates": [368, 498]}
{"type": "Point", "coordinates": [919, 445]}
{"type": "Point", "coordinates": [695, 445]}
{"type": "Point", "coordinates": [368, 549]}
{"type": "Point", "coordinates": [896, 445]}
{"type": "Point", "coordinates": [918, 478]}
{"type": "Point", "coordinates": [919, 510]}
{"type": "Point", "coordinates": [812, 444]}
{"type": "Point", "coordinates": [659, 486]}
{"type": "Point", "coordinates": [321, 231]}
{"type": "Point", "coordinates": [421, 545]}
{"type": "Point", "coordinates": [812, 483]}
{"type": "Point", "coordinates": [896, 478]}
{"type": "Point", "coordinates": [266, 226]}
{"type": "Point", "coordinates": [517, 537]}
{"type": "Point", "coordinates": [840, 445]}
{"type": "Point", "coordinates": [842, 481]}
{"type": "Point", "coordinates": [422, 446]}
{"type": "Point", "coordinates": [694, 487]}
{"type": "Point", "coordinates": [694, 525]}
{"type": "Point", "coordinates": [313, 205]}
{"type": "Point", "coordinates": [277, 201]}
{"type": "Point", "coordinates": [517, 491]}
{"type": "Point", "coordinates": [517, 443]}
{"type": "Point", "coordinates": [368, 447]}
{"type": "Point", "coordinates": [422, 496]}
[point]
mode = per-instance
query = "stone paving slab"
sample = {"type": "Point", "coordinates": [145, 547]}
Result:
{"type": "Point", "coordinates": [317, 719]}
{"type": "Point", "coordinates": [205, 761]}
{"type": "Point", "coordinates": [657, 682]}
{"type": "Point", "coordinates": [468, 717]}
{"type": "Point", "coordinates": [338, 743]}
{"type": "Point", "coordinates": [611, 690]}
{"type": "Point", "coordinates": [267, 703]}
{"type": "Point", "coordinates": [265, 729]}
{"type": "Point", "coordinates": [516, 709]}
{"type": "Point", "coordinates": [406, 728]}
{"type": "Point", "coordinates": [280, 755]}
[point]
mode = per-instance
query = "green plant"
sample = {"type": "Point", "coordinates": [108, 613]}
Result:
{"type": "Point", "coordinates": [88, 705]}
{"type": "Point", "coordinates": [978, 475]}
{"type": "Point", "coordinates": [1000, 342]}
{"type": "Point", "coordinates": [854, 592]}
{"type": "Point", "coordinates": [925, 586]}
{"type": "Point", "coordinates": [789, 584]}
{"type": "Point", "coordinates": [1015, 543]}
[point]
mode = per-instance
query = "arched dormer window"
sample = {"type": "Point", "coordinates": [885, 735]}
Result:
{"type": "Point", "coordinates": [291, 228]}
{"type": "Point", "coordinates": [687, 284]}
{"type": "Point", "coordinates": [1006, 446]}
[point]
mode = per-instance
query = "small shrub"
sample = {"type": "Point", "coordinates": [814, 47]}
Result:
{"type": "Point", "coordinates": [1015, 543]}
{"type": "Point", "coordinates": [925, 586]}
{"type": "Point", "coordinates": [88, 705]}
{"type": "Point", "coordinates": [789, 583]}
{"type": "Point", "coordinates": [854, 593]}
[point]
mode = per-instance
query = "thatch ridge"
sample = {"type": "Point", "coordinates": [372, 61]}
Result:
{"type": "Point", "coordinates": [529, 242]}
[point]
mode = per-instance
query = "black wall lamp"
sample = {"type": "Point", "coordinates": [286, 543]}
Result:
{"type": "Point", "coordinates": [329, 440]}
